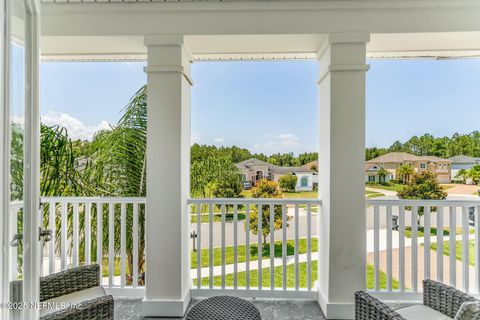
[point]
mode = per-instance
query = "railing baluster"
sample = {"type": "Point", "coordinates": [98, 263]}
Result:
{"type": "Point", "coordinates": [75, 227]}
{"type": "Point", "coordinates": [401, 252]}
{"type": "Point", "coordinates": [51, 245]}
{"type": "Point", "coordinates": [123, 240]}
{"type": "Point", "coordinates": [376, 246]}
{"type": "Point", "coordinates": [210, 246]}
{"type": "Point", "coordinates": [247, 246]}
{"type": "Point", "coordinates": [453, 246]}
{"type": "Point", "coordinates": [223, 245]}
{"type": "Point", "coordinates": [465, 250]}
{"type": "Point", "coordinates": [389, 248]}
{"type": "Point", "coordinates": [415, 248]}
{"type": "Point", "coordinates": [100, 238]}
{"type": "Point", "coordinates": [426, 242]}
{"type": "Point", "coordinates": [477, 248]}
{"type": "Point", "coordinates": [88, 225]}
{"type": "Point", "coordinates": [111, 242]}
{"type": "Point", "coordinates": [135, 245]}
{"type": "Point", "coordinates": [272, 247]}
{"type": "Point", "coordinates": [440, 244]}
{"type": "Point", "coordinates": [284, 247]}
{"type": "Point", "coordinates": [259, 245]}
{"type": "Point", "coordinates": [199, 244]}
{"type": "Point", "coordinates": [235, 246]}
{"type": "Point", "coordinates": [309, 247]}
{"type": "Point", "coordinates": [63, 243]}
{"type": "Point", "coordinates": [297, 226]}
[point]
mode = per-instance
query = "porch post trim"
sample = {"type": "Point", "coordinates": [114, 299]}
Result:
{"type": "Point", "coordinates": [169, 69]}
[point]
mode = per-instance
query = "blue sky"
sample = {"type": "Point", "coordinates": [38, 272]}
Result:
{"type": "Point", "coordinates": [272, 106]}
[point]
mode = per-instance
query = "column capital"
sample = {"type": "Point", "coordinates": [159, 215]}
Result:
{"type": "Point", "coordinates": [168, 53]}
{"type": "Point", "coordinates": [343, 52]}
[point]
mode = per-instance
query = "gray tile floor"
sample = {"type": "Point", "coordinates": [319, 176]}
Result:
{"type": "Point", "coordinates": [130, 308]}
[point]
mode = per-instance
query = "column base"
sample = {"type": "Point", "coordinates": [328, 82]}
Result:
{"type": "Point", "coordinates": [165, 308]}
{"type": "Point", "coordinates": [333, 310]}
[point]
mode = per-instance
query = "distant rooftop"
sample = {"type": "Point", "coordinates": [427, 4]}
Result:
{"type": "Point", "coordinates": [464, 159]}
{"type": "Point", "coordinates": [398, 157]}
{"type": "Point", "coordinates": [253, 162]}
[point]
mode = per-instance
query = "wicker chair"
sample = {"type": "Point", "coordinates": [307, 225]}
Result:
{"type": "Point", "coordinates": [79, 286]}
{"type": "Point", "coordinates": [61, 286]}
{"type": "Point", "coordinates": [439, 301]}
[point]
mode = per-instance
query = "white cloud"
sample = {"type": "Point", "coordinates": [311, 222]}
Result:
{"type": "Point", "coordinates": [75, 127]}
{"type": "Point", "coordinates": [283, 142]}
{"type": "Point", "coordinates": [195, 138]}
{"type": "Point", "coordinates": [219, 140]}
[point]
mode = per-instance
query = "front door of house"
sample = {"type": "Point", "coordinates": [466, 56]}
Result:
{"type": "Point", "coordinates": [20, 218]}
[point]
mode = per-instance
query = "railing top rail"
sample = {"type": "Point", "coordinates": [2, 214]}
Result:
{"type": "Point", "coordinates": [421, 203]}
{"type": "Point", "coordinates": [94, 199]}
{"type": "Point", "coordinates": [253, 201]}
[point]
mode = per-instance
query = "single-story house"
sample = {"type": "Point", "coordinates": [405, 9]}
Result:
{"type": "Point", "coordinates": [462, 162]}
{"type": "Point", "coordinates": [253, 170]}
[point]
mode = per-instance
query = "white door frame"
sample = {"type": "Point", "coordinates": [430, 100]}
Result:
{"type": "Point", "coordinates": [31, 217]}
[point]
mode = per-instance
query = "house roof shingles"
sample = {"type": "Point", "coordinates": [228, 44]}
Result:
{"type": "Point", "coordinates": [253, 162]}
{"type": "Point", "coordinates": [464, 159]}
{"type": "Point", "coordinates": [399, 157]}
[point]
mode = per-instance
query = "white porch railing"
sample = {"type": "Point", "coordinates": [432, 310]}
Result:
{"type": "Point", "coordinates": [74, 221]}
{"type": "Point", "coordinates": [223, 250]}
{"type": "Point", "coordinates": [412, 240]}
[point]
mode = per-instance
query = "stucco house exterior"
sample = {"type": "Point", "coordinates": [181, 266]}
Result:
{"type": "Point", "coordinates": [391, 161]}
{"type": "Point", "coordinates": [462, 162]}
{"type": "Point", "coordinates": [253, 170]}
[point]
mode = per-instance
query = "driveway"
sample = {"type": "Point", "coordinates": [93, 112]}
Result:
{"type": "Point", "coordinates": [462, 190]}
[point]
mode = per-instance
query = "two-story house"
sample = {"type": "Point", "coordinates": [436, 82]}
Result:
{"type": "Point", "coordinates": [393, 160]}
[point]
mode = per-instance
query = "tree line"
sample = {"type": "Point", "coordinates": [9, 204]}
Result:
{"type": "Point", "coordinates": [428, 145]}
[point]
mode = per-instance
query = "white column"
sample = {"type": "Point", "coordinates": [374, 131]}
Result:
{"type": "Point", "coordinates": [168, 167]}
{"type": "Point", "coordinates": [342, 222]}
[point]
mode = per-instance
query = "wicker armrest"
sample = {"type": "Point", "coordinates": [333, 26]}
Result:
{"type": "Point", "coordinates": [99, 309]}
{"type": "Point", "coordinates": [443, 298]}
{"type": "Point", "coordinates": [367, 307]}
{"type": "Point", "coordinates": [69, 281]}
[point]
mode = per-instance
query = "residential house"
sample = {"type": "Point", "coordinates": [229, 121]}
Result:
{"type": "Point", "coordinates": [393, 160]}
{"type": "Point", "coordinates": [462, 162]}
{"type": "Point", "coordinates": [253, 170]}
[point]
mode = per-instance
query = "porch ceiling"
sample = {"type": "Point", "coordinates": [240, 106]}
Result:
{"type": "Point", "coordinates": [273, 29]}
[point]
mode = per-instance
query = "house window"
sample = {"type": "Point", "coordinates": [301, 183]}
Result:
{"type": "Point", "coordinates": [259, 175]}
{"type": "Point", "coordinates": [304, 181]}
{"type": "Point", "coordinates": [423, 165]}
{"type": "Point", "coordinates": [371, 178]}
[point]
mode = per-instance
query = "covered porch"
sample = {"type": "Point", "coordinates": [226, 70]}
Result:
{"type": "Point", "coordinates": [334, 244]}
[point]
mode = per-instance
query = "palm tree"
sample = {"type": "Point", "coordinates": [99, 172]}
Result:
{"type": "Point", "coordinates": [382, 174]}
{"type": "Point", "coordinates": [118, 167]}
{"type": "Point", "coordinates": [462, 174]}
{"type": "Point", "coordinates": [474, 173]}
{"type": "Point", "coordinates": [405, 171]}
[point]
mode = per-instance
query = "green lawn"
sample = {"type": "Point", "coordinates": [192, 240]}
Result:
{"type": "Point", "coordinates": [217, 217]}
{"type": "Point", "coordinates": [433, 231]}
{"type": "Point", "coordinates": [217, 252]}
{"type": "Point", "coordinates": [394, 187]}
{"type": "Point", "coordinates": [373, 194]}
{"type": "Point", "coordinates": [217, 281]}
{"type": "Point", "coordinates": [289, 195]}
{"type": "Point", "coordinates": [458, 250]}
